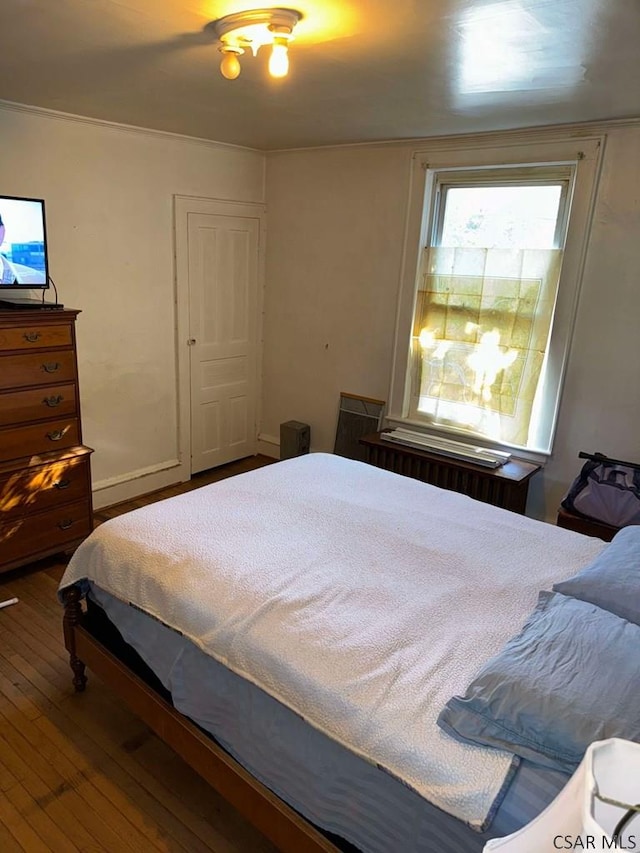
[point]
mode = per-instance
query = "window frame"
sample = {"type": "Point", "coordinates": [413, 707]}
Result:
{"type": "Point", "coordinates": [493, 178]}
{"type": "Point", "coordinates": [584, 154]}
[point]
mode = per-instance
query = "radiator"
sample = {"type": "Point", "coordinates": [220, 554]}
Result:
{"type": "Point", "coordinates": [505, 487]}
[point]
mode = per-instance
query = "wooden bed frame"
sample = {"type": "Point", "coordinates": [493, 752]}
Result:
{"type": "Point", "coordinates": [268, 813]}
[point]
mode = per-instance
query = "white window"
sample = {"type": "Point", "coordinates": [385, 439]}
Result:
{"type": "Point", "coordinates": [492, 268]}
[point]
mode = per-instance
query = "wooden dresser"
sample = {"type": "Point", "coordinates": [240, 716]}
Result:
{"type": "Point", "coordinates": [45, 478]}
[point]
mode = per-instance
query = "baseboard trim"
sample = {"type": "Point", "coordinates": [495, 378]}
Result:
{"type": "Point", "coordinates": [135, 483]}
{"type": "Point", "coordinates": [268, 445]}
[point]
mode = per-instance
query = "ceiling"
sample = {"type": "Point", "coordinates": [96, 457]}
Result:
{"type": "Point", "coordinates": [361, 70]}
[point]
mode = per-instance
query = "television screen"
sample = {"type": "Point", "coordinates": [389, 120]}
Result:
{"type": "Point", "coordinates": [23, 243]}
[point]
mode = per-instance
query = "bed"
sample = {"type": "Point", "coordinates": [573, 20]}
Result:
{"type": "Point", "coordinates": [294, 633]}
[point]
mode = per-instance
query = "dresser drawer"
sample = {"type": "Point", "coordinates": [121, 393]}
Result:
{"type": "Point", "coordinates": [44, 532]}
{"type": "Point", "coordinates": [37, 368]}
{"type": "Point", "coordinates": [39, 438]}
{"type": "Point", "coordinates": [36, 336]}
{"type": "Point", "coordinates": [36, 404]}
{"type": "Point", "coordinates": [43, 487]}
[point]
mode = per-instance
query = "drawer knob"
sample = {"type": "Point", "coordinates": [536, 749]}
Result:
{"type": "Point", "coordinates": [51, 366]}
{"type": "Point", "coordinates": [65, 524]}
{"type": "Point", "coordinates": [56, 434]}
{"type": "Point", "coordinates": [52, 401]}
{"type": "Point", "coordinates": [62, 484]}
{"type": "Point", "coordinates": [32, 337]}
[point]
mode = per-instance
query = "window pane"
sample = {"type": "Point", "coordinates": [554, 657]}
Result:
{"type": "Point", "coordinates": [484, 307]}
{"type": "Point", "coordinates": [501, 217]}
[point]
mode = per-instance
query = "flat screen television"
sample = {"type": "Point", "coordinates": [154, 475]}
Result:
{"type": "Point", "coordinates": [23, 244]}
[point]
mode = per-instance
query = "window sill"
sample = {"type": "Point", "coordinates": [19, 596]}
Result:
{"type": "Point", "coordinates": [538, 457]}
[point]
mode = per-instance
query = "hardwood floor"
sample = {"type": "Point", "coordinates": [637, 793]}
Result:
{"type": "Point", "coordinates": [79, 772]}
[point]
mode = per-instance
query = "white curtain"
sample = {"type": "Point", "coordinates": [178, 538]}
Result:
{"type": "Point", "coordinates": [481, 327]}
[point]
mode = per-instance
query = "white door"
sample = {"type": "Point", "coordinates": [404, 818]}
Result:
{"type": "Point", "coordinates": [223, 336]}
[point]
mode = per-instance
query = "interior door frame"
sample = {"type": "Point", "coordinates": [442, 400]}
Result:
{"type": "Point", "coordinates": [182, 207]}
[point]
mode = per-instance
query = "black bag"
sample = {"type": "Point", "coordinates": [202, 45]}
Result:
{"type": "Point", "coordinates": [605, 490]}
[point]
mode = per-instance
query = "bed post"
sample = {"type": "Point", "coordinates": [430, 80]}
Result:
{"type": "Point", "coordinates": [72, 615]}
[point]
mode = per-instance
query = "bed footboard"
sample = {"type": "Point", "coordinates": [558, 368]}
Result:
{"type": "Point", "coordinates": [72, 617]}
{"type": "Point", "coordinates": [273, 817]}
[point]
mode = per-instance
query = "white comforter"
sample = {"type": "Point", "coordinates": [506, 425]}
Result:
{"type": "Point", "coordinates": [360, 599]}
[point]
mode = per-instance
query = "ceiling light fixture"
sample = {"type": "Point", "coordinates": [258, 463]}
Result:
{"type": "Point", "coordinates": [251, 30]}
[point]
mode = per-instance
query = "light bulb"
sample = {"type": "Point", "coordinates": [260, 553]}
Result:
{"type": "Point", "coordinates": [279, 59]}
{"type": "Point", "coordinates": [230, 65]}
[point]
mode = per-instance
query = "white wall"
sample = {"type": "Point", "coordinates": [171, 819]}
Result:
{"type": "Point", "coordinates": [334, 249]}
{"type": "Point", "coordinates": [336, 222]}
{"type": "Point", "coordinates": [109, 202]}
{"type": "Point", "coordinates": [336, 225]}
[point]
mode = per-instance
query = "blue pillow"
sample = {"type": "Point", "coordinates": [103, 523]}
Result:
{"type": "Point", "coordinates": [612, 580]}
{"type": "Point", "coordinates": [570, 677]}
